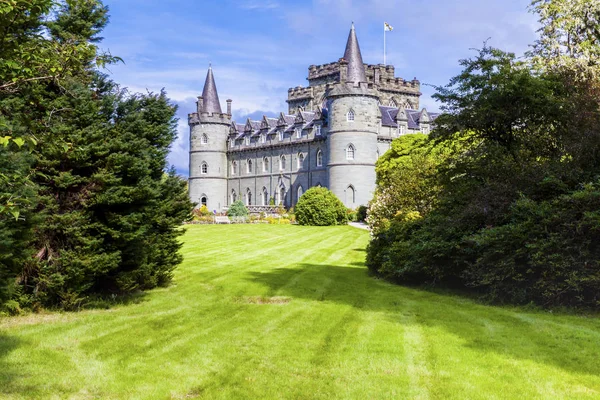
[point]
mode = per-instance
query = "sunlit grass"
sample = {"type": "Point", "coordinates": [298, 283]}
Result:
{"type": "Point", "coordinates": [271, 311]}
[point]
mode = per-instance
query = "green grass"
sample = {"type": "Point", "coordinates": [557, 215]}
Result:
{"type": "Point", "coordinates": [262, 311]}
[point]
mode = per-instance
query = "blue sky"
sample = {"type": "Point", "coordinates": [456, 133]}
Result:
{"type": "Point", "coordinates": [260, 48]}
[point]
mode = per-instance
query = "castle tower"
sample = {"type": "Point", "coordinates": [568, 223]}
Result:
{"type": "Point", "coordinates": [209, 129]}
{"type": "Point", "coordinates": [354, 120]}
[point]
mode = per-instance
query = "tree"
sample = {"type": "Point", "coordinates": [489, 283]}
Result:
{"type": "Point", "coordinates": [319, 206]}
{"type": "Point", "coordinates": [237, 209]}
{"type": "Point", "coordinates": [107, 214]}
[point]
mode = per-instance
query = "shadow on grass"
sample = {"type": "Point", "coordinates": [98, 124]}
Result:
{"type": "Point", "coordinates": [10, 375]}
{"type": "Point", "coordinates": [567, 342]}
{"type": "Point", "coordinates": [107, 302]}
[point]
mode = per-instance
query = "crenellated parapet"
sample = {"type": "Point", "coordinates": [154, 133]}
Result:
{"type": "Point", "coordinates": [300, 93]}
{"type": "Point", "coordinates": [208, 118]}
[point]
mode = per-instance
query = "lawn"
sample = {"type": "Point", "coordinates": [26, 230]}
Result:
{"type": "Point", "coordinates": [267, 311]}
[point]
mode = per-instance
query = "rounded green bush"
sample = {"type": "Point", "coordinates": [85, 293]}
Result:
{"type": "Point", "coordinates": [237, 209]}
{"type": "Point", "coordinates": [320, 207]}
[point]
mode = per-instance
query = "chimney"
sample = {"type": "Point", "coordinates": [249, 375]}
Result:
{"type": "Point", "coordinates": [229, 107]}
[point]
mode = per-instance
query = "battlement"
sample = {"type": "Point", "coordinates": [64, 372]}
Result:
{"type": "Point", "coordinates": [300, 92]}
{"type": "Point", "coordinates": [204, 117]}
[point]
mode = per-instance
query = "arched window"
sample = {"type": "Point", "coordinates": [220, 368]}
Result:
{"type": "Point", "coordinates": [204, 200]}
{"type": "Point", "coordinates": [248, 197]}
{"type": "Point", "coordinates": [265, 197]}
{"type": "Point", "coordinates": [281, 195]}
{"type": "Point", "coordinates": [204, 168]}
{"type": "Point", "coordinates": [319, 158]}
{"type": "Point", "coordinates": [204, 139]}
{"type": "Point", "coordinates": [350, 152]}
{"type": "Point", "coordinates": [282, 163]}
{"type": "Point", "coordinates": [393, 103]}
{"type": "Point", "coordinates": [300, 160]}
{"type": "Point", "coordinates": [234, 168]}
{"type": "Point", "coordinates": [350, 116]}
{"type": "Point", "coordinates": [249, 166]}
{"type": "Point", "coordinates": [299, 192]}
{"type": "Point", "coordinates": [350, 194]}
{"type": "Point", "coordinates": [233, 196]}
{"type": "Point", "coordinates": [265, 164]}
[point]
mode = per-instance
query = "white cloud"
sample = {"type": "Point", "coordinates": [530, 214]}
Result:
{"type": "Point", "coordinates": [259, 5]}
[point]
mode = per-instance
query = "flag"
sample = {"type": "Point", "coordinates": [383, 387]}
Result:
{"type": "Point", "coordinates": [387, 27]}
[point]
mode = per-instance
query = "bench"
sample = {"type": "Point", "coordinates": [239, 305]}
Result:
{"type": "Point", "coordinates": [222, 220]}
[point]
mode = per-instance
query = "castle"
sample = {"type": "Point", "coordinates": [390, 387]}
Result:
{"type": "Point", "coordinates": [332, 135]}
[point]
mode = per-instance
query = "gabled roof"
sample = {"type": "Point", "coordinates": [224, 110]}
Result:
{"type": "Point", "coordinates": [389, 116]}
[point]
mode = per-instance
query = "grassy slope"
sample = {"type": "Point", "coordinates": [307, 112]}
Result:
{"type": "Point", "coordinates": [341, 335]}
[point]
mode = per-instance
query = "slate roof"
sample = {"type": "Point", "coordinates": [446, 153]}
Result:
{"type": "Point", "coordinates": [210, 97]}
{"type": "Point", "coordinates": [356, 68]}
{"type": "Point", "coordinates": [388, 117]}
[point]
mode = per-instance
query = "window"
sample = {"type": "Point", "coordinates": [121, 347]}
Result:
{"type": "Point", "coordinates": [280, 135]}
{"type": "Point", "coordinates": [263, 138]}
{"type": "Point", "coordinates": [400, 129]}
{"type": "Point", "coordinates": [281, 195]}
{"type": "Point", "coordinates": [231, 143]}
{"type": "Point", "coordinates": [233, 167]}
{"type": "Point", "coordinates": [318, 130]}
{"type": "Point", "coordinates": [247, 140]}
{"type": "Point", "coordinates": [265, 164]}
{"type": "Point", "coordinates": [249, 166]}
{"type": "Point", "coordinates": [425, 130]}
{"type": "Point", "coordinates": [350, 194]}
{"type": "Point", "coordinates": [233, 196]}
{"type": "Point", "coordinates": [265, 197]}
{"type": "Point", "coordinates": [282, 163]}
{"type": "Point", "coordinates": [350, 116]}
{"type": "Point", "coordinates": [300, 160]}
{"type": "Point", "coordinates": [277, 197]}
{"type": "Point", "coordinates": [248, 197]}
{"type": "Point", "coordinates": [319, 158]}
{"type": "Point", "coordinates": [299, 192]}
{"type": "Point", "coordinates": [204, 200]}
{"type": "Point", "coordinates": [350, 152]}
{"type": "Point", "coordinates": [204, 168]}
{"type": "Point", "coordinates": [298, 133]}
{"type": "Point", "coordinates": [204, 139]}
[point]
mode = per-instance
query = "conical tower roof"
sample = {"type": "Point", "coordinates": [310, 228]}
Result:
{"type": "Point", "coordinates": [356, 68]}
{"type": "Point", "coordinates": [210, 97]}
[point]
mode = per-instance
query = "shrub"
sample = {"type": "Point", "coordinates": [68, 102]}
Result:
{"type": "Point", "coordinates": [237, 209]}
{"type": "Point", "coordinates": [361, 213]}
{"type": "Point", "coordinates": [319, 206]}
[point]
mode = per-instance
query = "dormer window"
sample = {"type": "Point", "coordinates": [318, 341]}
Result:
{"type": "Point", "coordinates": [280, 136]}
{"type": "Point", "coordinates": [401, 130]}
{"type": "Point", "coordinates": [247, 140]}
{"type": "Point", "coordinates": [393, 103]}
{"type": "Point", "coordinates": [318, 130]}
{"type": "Point", "coordinates": [263, 138]}
{"type": "Point", "coordinates": [425, 130]}
{"type": "Point", "coordinates": [298, 133]}
{"type": "Point", "coordinates": [350, 116]}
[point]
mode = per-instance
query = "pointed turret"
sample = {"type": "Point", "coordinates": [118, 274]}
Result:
{"type": "Point", "coordinates": [356, 68]}
{"type": "Point", "coordinates": [210, 96]}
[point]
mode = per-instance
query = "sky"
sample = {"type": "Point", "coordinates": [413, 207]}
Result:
{"type": "Point", "coordinates": [260, 48]}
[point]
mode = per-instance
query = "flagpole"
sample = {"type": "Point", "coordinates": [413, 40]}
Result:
{"type": "Point", "coordinates": [384, 44]}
